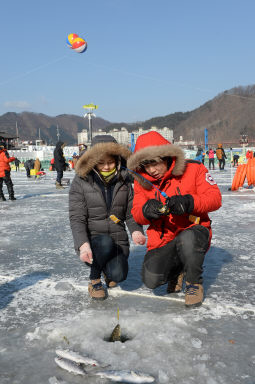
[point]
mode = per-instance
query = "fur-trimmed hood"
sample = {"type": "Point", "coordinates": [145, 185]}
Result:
{"type": "Point", "coordinates": [151, 146]}
{"type": "Point", "coordinates": [92, 156]}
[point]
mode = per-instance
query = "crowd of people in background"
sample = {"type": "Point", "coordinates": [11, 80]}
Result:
{"type": "Point", "coordinates": [58, 163]}
{"type": "Point", "coordinates": [220, 155]}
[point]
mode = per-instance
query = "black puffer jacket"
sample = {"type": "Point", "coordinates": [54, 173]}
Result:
{"type": "Point", "coordinates": [29, 164]}
{"type": "Point", "coordinates": [59, 159]}
{"type": "Point", "coordinates": [88, 211]}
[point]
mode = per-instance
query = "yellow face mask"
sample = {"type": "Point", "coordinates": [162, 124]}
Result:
{"type": "Point", "coordinates": [109, 173]}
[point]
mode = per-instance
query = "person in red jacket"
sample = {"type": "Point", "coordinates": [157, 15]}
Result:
{"type": "Point", "coordinates": [249, 154]}
{"type": "Point", "coordinates": [173, 196]}
{"type": "Point", "coordinates": [5, 173]}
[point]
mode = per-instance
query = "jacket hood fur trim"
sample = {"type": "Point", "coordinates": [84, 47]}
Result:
{"type": "Point", "coordinates": [152, 153]}
{"type": "Point", "coordinates": [92, 156]}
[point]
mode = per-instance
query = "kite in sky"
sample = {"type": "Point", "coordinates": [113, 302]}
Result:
{"type": "Point", "coordinates": [76, 43]}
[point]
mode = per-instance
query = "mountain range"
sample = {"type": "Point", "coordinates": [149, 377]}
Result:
{"type": "Point", "coordinates": [227, 116]}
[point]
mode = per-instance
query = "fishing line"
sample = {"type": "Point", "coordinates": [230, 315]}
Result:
{"type": "Point", "coordinates": [33, 70]}
{"type": "Point", "coordinates": [37, 68]}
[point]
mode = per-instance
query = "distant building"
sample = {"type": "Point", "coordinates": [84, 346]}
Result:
{"type": "Point", "coordinates": [190, 144]}
{"type": "Point", "coordinates": [167, 133]}
{"type": "Point", "coordinates": [83, 137]}
{"type": "Point", "coordinates": [123, 136]}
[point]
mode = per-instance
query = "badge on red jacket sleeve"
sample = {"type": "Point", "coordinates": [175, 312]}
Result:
{"type": "Point", "coordinates": [209, 178]}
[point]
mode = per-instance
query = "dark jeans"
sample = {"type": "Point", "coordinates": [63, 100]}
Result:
{"type": "Point", "coordinates": [8, 181]}
{"type": "Point", "coordinates": [28, 172]}
{"type": "Point", "coordinates": [211, 163]}
{"type": "Point", "coordinates": [108, 257]}
{"type": "Point", "coordinates": [59, 176]}
{"type": "Point", "coordinates": [222, 163]}
{"type": "Point", "coordinates": [185, 253]}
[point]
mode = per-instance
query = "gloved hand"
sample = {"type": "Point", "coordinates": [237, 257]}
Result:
{"type": "Point", "coordinates": [180, 204]}
{"type": "Point", "coordinates": [86, 254]}
{"type": "Point", "coordinates": [138, 238]}
{"type": "Point", "coordinates": [151, 209]}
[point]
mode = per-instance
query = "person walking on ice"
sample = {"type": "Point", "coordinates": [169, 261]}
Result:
{"type": "Point", "coordinates": [100, 202]}
{"type": "Point", "coordinates": [17, 163]}
{"type": "Point", "coordinates": [221, 156]}
{"type": "Point", "coordinates": [179, 231]}
{"type": "Point", "coordinates": [211, 154]}
{"type": "Point", "coordinates": [59, 163]}
{"type": "Point", "coordinates": [5, 173]}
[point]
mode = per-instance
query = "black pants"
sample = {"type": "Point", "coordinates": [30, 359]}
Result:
{"type": "Point", "coordinates": [109, 258]}
{"type": "Point", "coordinates": [28, 172]}
{"type": "Point", "coordinates": [185, 253]}
{"type": "Point", "coordinates": [8, 182]}
{"type": "Point", "coordinates": [59, 176]}
{"type": "Point", "coordinates": [211, 163]}
{"type": "Point", "coordinates": [222, 163]}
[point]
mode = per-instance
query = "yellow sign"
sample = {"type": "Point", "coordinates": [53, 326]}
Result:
{"type": "Point", "coordinates": [90, 106]}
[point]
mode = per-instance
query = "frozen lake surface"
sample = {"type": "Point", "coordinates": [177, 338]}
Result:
{"type": "Point", "coordinates": [44, 303]}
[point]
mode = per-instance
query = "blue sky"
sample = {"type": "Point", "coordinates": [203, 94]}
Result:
{"type": "Point", "coordinates": [144, 59]}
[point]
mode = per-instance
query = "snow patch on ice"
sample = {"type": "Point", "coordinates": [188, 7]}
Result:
{"type": "Point", "coordinates": [196, 343]}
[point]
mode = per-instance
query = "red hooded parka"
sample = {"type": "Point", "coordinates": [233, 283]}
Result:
{"type": "Point", "coordinates": [5, 159]}
{"type": "Point", "coordinates": [183, 177]}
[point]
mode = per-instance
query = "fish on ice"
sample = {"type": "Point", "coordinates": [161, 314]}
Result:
{"type": "Point", "coordinates": [70, 366]}
{"type": "Point", "coordinates": [74, 356]}
{"type": "Point", "coordinates": [126, 376]}
{"type": "Point", "coordinates": [116, 334]}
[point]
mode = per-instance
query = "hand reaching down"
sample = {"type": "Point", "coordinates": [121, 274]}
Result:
{"type": "Point", "coordinates": [86, 253]}
{"type": "Point", "coordinates": [138, 238]}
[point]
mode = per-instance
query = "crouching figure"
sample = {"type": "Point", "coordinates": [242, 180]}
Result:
{"type": "Point", "coordinates": [100, 202]}
{"type": "Point", "coordinates": [173, 196]}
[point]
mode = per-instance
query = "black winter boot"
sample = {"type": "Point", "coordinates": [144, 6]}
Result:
{"type": "Point", "coordinates": [2, 198]}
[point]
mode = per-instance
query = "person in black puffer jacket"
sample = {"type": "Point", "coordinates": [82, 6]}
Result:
{"type": "Point", "coordinates": [59, 163]}
{"type": "Point", "coordinates": [100, 202]}
{"type": "Point", "coordinates": [29, 164]}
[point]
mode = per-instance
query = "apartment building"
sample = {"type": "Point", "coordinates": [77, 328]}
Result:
{"type": "Point", "coordinates": [123, 136]}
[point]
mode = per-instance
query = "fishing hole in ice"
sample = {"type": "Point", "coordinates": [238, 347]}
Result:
{"type": "Point", "coordinates": [123, 338]}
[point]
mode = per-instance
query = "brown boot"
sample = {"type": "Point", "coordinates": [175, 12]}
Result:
{"type": "Point", "coordinates": [193, 295]}
{"type": "Point", "coordinates": [109, 283]}
{"type": "Point", "coordinates": [175, 284]}
{"type": "Point", "coordinates": [59, 186]}
{"type": "Point", "coordinates": [96, 290]}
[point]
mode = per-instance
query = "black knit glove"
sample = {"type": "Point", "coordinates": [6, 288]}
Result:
{"type": "Point", "coordinates": [179, 205]}
{"type": "Point", "coordinates": [151, 209]}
